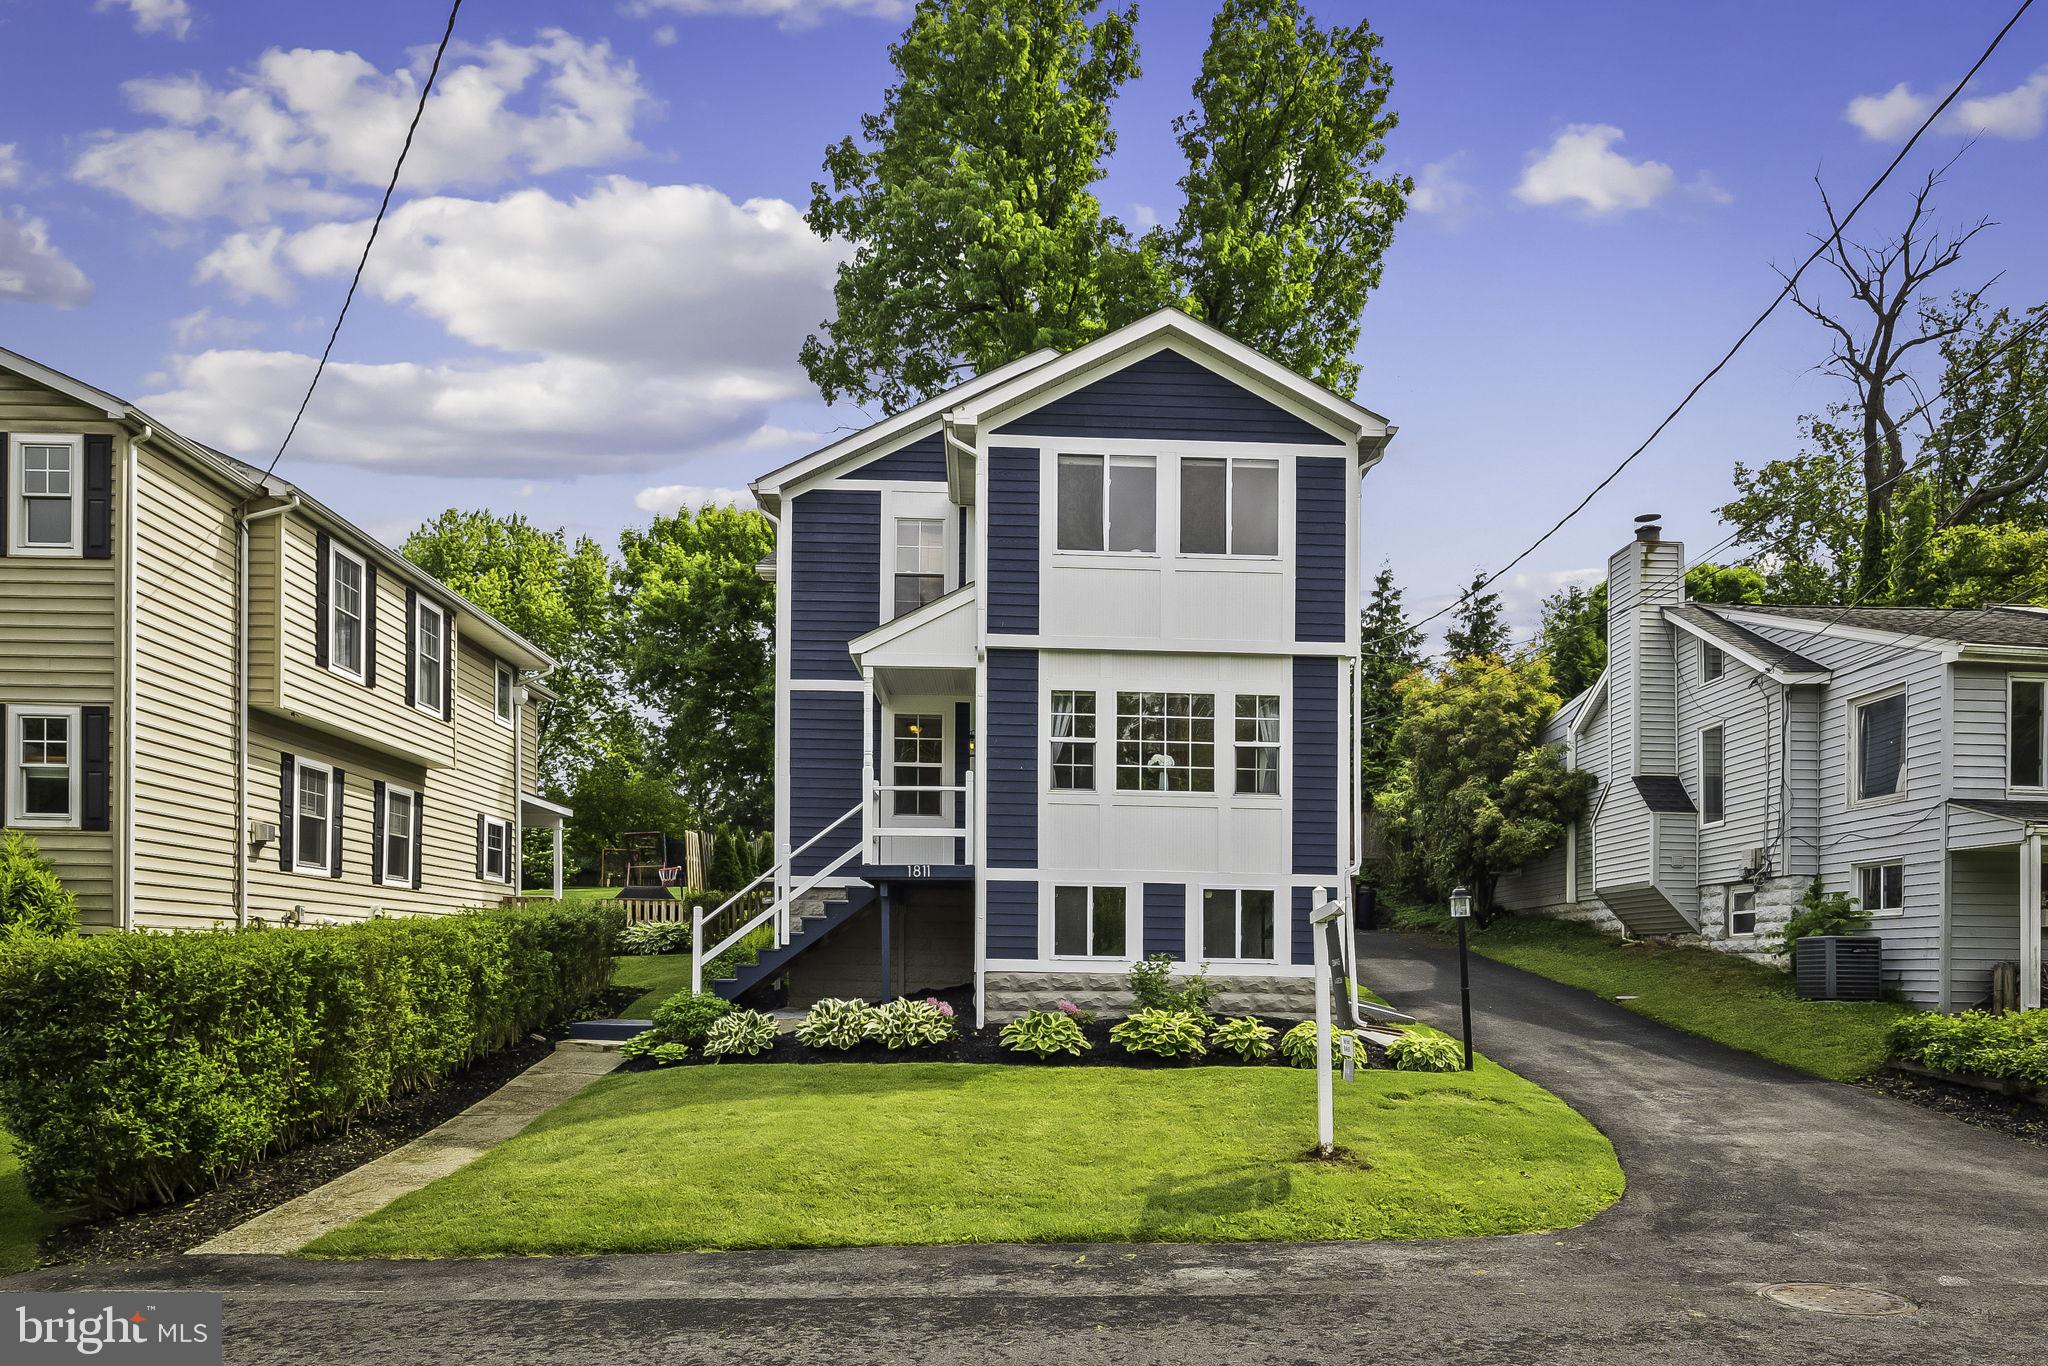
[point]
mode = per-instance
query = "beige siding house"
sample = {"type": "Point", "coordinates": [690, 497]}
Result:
{"type": "Point", "coordinates": [222, 703]}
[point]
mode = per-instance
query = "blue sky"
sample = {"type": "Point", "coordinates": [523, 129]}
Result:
{"type": "Point", "coordinates": [588, 300]}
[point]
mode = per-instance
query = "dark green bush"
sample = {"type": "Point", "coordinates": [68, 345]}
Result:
{"type": "Point", "coordinates": [2012, 1048]}
{"type": "Point", "coordinates": [685, 1019]}
{"type": "Point", "coordinates": [1822, 912]}
{"type": "Point", "coordinates": [139, 1067]}
{"type": "Point", "coordinates": [34, 902]}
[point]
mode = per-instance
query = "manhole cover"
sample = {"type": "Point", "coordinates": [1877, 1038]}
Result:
{"type": "Point", "coordinates": [1836, 1299]}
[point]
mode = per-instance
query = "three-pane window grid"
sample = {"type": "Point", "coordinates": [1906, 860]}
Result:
{"type": "Point", "coordinates": [1237, 924]}
{"type": "Point", "coordinates": [919, 761]}
{"type": "Point", "coordinates": [1088, 922]}
{"type": "Point", "coordinates": [45, 766]}
{"type": "Point", "coordinates": [46, 491]}
{"type": "Point", "coordinates": [920, 562]}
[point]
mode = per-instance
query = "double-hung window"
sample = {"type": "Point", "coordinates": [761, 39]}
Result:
{"type": "Point", "coordinates": [919, 762]}
{"type": "Point", "coordinates": [497, 846]}
{"type": "Point", "coordinates": [43, 754]}
{"type": "Point", "coordinates": [1229, 507]}
{"type": "Point", "coordinates": [1088, 922]}
{"type": "Point", "coordinates": [1712, 663]}
{"type": "Point", "coordinates": [2027, 755]}
{"type": "Point", "coordinates": [398, 850]}
{"type": "Point", "coordinates": [920, 562]}
{"type": "Point", "coordinates": [347, 609]}
{"type": "Point", "coordinates": [45, 496]}
{"type": "Point", "coordinates": [1258, 744]}
{"type": "Point", "coordinates": [1165, 742]}
{"type": "Point", "coordinates": [1882, 888]}
{"type": "Point", "coordinates": [1073, 741]}
{"type": "Point", "coordinates": [430, 657]}
{"type": "Point", "coordinates": [312, 815]}
{"type": "Point", "coordinates": [502, 694]}
{"type": "Point", "coordinates": [1713, 781]}
{"type": "Point", "coordinates": [1878, 733]}
{"type": "Point", "coordinates": [1237, 924]}
{"type": "Point", "coordinates": [1108, 503]}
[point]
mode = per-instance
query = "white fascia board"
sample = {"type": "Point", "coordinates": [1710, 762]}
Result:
{"type": "Point", "coordinates": [76, 390]}
{"type": "Point", "coordinates": [1595, 695]}
{"type": "Point", "coordinates": [1834, 630]}
{"type": "Point", "coordinates": [1776, 673]}
{"type": "Point", "coordinates": [896, 628]}
{"type": "Point", "coordinates": [1999, 654]}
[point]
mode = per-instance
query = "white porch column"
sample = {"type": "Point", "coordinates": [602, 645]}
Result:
{"type": "Point", "coordinates": [867, 767]}
{"type": "Point", "coordinates": [558, 860]}
{"type": "Point", "coordinates": [2030, 920]}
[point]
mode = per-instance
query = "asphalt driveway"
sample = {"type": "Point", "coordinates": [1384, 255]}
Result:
{"type": "Point", "coordinates": [1740, 1174]}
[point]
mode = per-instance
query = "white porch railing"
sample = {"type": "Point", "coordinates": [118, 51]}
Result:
{"type": "Point", "coordinates": [959, 830]}
{"type": "Point", "coordinates": [772, 900]}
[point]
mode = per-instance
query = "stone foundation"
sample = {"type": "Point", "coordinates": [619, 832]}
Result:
{"type": "Point", "coordinates": [1777, 899]}
{"type": "Point", "coordinates": [1010, 994]}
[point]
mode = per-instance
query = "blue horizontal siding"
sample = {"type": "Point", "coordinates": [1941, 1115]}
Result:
{"type": "Point", "coordinates": [1166, 919]}
{"type": "Point", "coordinates": [1010, 742]}
{"type": "Point", "coordinates": [1012, 919]}
{"type": "Point", "coordinates": [1319, 494]}
{"type": "Point", "coordinates": [919, 461]}
{"type": "Point", "coordinates": [1304, 948]}
{"type": "Point", "coordinates": [1013, 541]}
{"type": "Point", "coordinates": [835, 589]}
{"type": "Point", "coordinates": [1315, 765]}
{"type": "Point", "coordinates": [824, 772]}
{"type": "Point", "coordinates": [1169, 396]}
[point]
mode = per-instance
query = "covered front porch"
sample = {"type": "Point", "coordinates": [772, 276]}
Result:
{"type": "Point", "coordinates": [917, 744]}
{"type": "Point", "coordinates": [1995, 889]}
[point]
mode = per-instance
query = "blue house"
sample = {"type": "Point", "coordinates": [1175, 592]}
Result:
{"type": "Point", "coordinates": [1067, 675]}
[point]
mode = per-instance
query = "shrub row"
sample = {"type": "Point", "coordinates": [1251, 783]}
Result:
{"type": "Point", "coordinates": [2010, 1048]}
{"type": "Point", "coordinates": [140, 1067]}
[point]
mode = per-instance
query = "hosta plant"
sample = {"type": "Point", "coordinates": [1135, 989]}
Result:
{"type": "Point", "coordinates": [835, 1023]}
{"type": "Point", "coordinates": [1042, 1033]}
{"type": "Point", "coordinates": [1246, 1036]}
{"type": "Point", "coordinates": [1165, 1033]}
{"type": "Point", "coordinates": [1416, 1052]}
{"type": "Point", "coordinates": [912, 1024]}
{"type": "Point", "coordinates": [741, 1034]}
{"type": "Point", "coordinates": [655, 936]}
{"type": "Point", "coordinates": [1298, 1045]}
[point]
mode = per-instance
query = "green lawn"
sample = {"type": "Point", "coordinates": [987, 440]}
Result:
{"type": "Point", "coordinates": [22, 1222]}
{"type": "Point", "coordinates": [1716, 995]}
{"type": "Point", "coordinates": [659, 976]}
{"type": "Point", "coordinates": [842, 1154]}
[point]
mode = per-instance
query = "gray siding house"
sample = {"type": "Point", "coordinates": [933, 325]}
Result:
{"type": "Point", "coordinates": [1896, 754]}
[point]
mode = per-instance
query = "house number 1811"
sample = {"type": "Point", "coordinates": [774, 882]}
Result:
{"type": "Point", "coordinates": [920, 869]}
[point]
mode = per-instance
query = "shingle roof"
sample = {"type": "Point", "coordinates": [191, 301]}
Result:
{"type": "Point", "coordinates": [1969, 626]}
{"type": "Point", "coordinates": [1739, 638]}
{"type": "Point", "coordinates": [1663, 793]}
{"type": "Point", "coordinates": [2011, 810]}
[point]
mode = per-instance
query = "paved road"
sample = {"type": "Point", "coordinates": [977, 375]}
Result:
{"type": "Point", "coordinates": [1740, 1175]}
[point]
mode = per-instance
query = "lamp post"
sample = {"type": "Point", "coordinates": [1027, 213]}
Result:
{"type": "Point", "coordinates": [1461, 911]}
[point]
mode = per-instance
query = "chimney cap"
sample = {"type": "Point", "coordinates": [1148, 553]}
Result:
{"type": "Point", "coordinates": [1649, 517]}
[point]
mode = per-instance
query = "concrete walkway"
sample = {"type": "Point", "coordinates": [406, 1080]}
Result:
{"type": "Point", "coordinates": [455, 1143]}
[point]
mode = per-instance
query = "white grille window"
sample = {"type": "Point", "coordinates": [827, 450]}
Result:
{"type": "Point", "coordinates": [919, 761]}
{"type": "Point", "coordinates": [398, 850]}
{"type": "Point", "coordinates": [310, 816]}
{"type": "Point", "coordinates": [1073, 741]}
{"type": "Point", "coordinates": [430, 657]}
{"type": "Point", "coordinates": [1258, 744]}
{"type": "Point", "coordinates": [43, 784]}
{"type": "Point", "coordinates": [45, 494]}
{"type": "Point", "coordinates": [346, 613]}
{"type": "Point", "coordinates": [1165, 742]}
{"type": "Point", "coordinates": [497, 840]}
{"type": "Point", "coordinates": [920, 562]}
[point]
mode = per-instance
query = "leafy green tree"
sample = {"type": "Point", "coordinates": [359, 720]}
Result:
{"type": "Point", "coordinates": [1478, 624]}
{"type": "Point", "coordinates": [1978, 566]}
{"type": "Point", "coordinates": [1803, 514]}
{"type": "Point", "coordinates": [1572, 638]}
{"type": "Point", "coordinates": [1725, 583]}
{"type": "Point", "coordinates": [1284, 225]}
{"type": "Point", "coordinates": [1473, 792]}
{"type": "Point", "coordinates": [701, 653]}
{"type": "Point", "coordinates": [1987, 457]}
{"type": "Point", "coordinates": [1390, 649]}
{"type": "Point", "coordinates": [968, 201]}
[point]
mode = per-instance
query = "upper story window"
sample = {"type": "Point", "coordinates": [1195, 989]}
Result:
{"type": "Point", "coordinates": [1258, 744]}
{"type": "Point", "coordinates": [1713, 783]}
{"type": "Point", "coordinates": [919, 762]}
{"type": "Point", "coordinates": [430, 657]}
{"type": "Point", "coordinates": [920, 562]}
{"type": "Point", "coordinates": [1877, 730]}
{"type": "Point", "coordinates": [42, 784]}
{"type": "Point", "coordinates": [311, 816]}
{"type": "Point", "coordinates": [1229, 507]}
{"type": "Point", "coordinates": [1073, 742]}
{"type": "Point", "coordinates": [502, 694]}
{"type": "Point", "coordinates": [45, 499]}
{"type": "Point", "coordinates": [2028, 756]}
{"type": "Point", "coordinates": [1108, 503]}
{"type": "Point", "coordinates": [348, 609]}
{"type": "Point", "coordinates": [1712, 663]}
{"type": "Point", "coordinates": [1165, 742]}
{"type": "Point", "coordinates": [1237, 924]}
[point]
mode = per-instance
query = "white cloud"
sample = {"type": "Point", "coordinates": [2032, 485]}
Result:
{"type": "Point", "coordinates": [315, 131]}
{"type": "Point", "coordinates": [32, 271]}
{"type": "Point", "coordinates": [10, 165]}
{"type": "Point", "coordinates": [247, 264]}
{"type": "Point", "coordinates": [1582, 166]}
{"type": "Point", "coordinates": [1707, 189]}
{"type": "Point", "coordinates": [669, 498]}
{"type": "Point", "coordinates": [1890, 116]}
{"type": "Point", "coordinates": [1439, 190]}
{"type": "Point", "coordinates": [2018, 114]}
{"type": "Point", "coordinates": [790, 14]}
{"type": "Point", "coordinates": [203, 325]}
{"type": "Point", "coordinates": [154, 16]}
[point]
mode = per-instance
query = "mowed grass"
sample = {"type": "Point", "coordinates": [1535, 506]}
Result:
{"type": "Point", "coordinates": [22, 1222]}
{"type": "Point", "coordinates": [659, 976]}
{"type": "Point", "coordinates": [846, 1154]}
{"type": "Point", "coordinates": [1716, 995]}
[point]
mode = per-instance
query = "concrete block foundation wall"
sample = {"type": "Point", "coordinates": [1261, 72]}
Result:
{"type": "Point", "coordinates": [931, 947]}
{"type": "Point", "coordinates": [1010, 994]}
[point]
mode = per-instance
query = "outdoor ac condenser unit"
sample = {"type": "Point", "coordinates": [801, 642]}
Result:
{"type": "Point", "coordinates": [1838, 967]}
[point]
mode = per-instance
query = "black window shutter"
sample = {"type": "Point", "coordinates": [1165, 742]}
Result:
{"type": "Point", "coordinates": [334, 805]}
{"type": "Point", "coordinates": [377, 831]}
{"type": "Point", "coordinates": [412, 645]}
{"type": "Point", "coordinates": [6, 493]}
{"type": "Point", "coordinates": [479, 847]}
{"type": "Point", "coordinates": [98, 521]}
{"type": "Point", "coordinates": [286, 800]}
{"type": "Point", "coordinates": [369, 623]}
{"type": "Point", "coordinates": [3, 741]}
{"type": "Point", "coordinates": [448, 667]}
{"type": "Point", "coordinates": [95, 778]}
{"type": "Point", "coordinates": [322, 548]}
{"type": "Point", "coordinates": [419, 801]}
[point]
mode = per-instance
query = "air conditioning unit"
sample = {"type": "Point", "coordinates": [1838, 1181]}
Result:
{"type": "Point", "coordinates": [1753, 861]}
{"type": "Point", "coordinates": [1838, 967]}
{"type": "Point", "coordinates": [262, 832]}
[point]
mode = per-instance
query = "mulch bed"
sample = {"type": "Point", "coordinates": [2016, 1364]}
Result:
{"type": "Point", "coordinates": [168, 1230]}
{"type": "Point", "coordinates": [2023, 1119]}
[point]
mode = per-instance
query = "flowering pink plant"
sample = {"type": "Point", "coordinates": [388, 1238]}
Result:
{"type": "Point", "coordinates": [1068, 1008]}
{"type": "Point", "coordinates": [942, 1007]}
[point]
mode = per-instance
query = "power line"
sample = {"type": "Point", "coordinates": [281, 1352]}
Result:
{"type": "Point", "coordinates": [1791, 282]}
{"type": "Point", "coordinates": [371, 240]}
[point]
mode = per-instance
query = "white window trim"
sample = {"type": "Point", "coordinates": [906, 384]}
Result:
{"type": "Point", "coordinates": [1708, 652]}
{"type": "Point", "coordinates": [2011, 682]}
{"type": "Point", "coordinates": [1236, 923]}
{"type": "Point", "coordinates": [412, 853]}
{"type": "Point", "coordinates": [1108, 460]}
{"type": "Point", "coordinates": [1699, 749]}
{"type": "Point", "coordinates": [1133, 915]}
{"type": "Point", "coordinates": [1854, 777]}
{"type": "Point", "coordinates": [16, 795]}
{"type": "Point", "coordinates": [494, 823]}
{"type": "Point", "coordinates": [1890, 913]}
{"type": "Point", "coordinates": [1190, 793]}
{"type": "Point", "coordinates": [509, 677]}
{"type": "Point", "coordinates": [1094, 741]}
{"type": "Point", "coordinates": [17, 512]}
{"type": "Point", "coordinates": [1728, 895]}
{"type": "Point", "coordinates": [1230, 463]}
{"type": "Point", "coordinates": [336, 553]}
{"type": "Point", "coordinates": [300, 766]}
{"type": "Point", "coordinates": [419, 637]}
{"type": "Point", "coordinates": [896, 547]}
{"type": "Point", "coordinates": [1278, 747]}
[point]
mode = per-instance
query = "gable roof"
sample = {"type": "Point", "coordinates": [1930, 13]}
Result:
{"type": "Point", "coordinates": [2025, 627]}
{"type": "Point", "coordinates": [1761, 653]}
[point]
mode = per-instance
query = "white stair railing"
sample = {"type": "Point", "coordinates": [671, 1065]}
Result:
{"type": "Point", "coordinates": [776, 908]}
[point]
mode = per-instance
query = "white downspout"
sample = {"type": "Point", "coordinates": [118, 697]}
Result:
{"type": "Point", "coordinates": [2030, 919]}
{"type": "Point", "coordinates": [515, 857]}
{"type": "Point", "coordinates": [977, 846]}
{"type": "Point", "coordinates": [242, 520]}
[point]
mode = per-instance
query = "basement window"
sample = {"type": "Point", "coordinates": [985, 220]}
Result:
{"type": "Point", "coordinates": [1882, 887]}
{"type": "Point", "coordinates": [1741, 906]}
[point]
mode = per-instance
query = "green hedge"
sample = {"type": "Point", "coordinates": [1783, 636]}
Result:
{"type": "Point", "coordinates": [137, 1067]}
{"type": "Point", "coordinates": [2011, 1048]}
